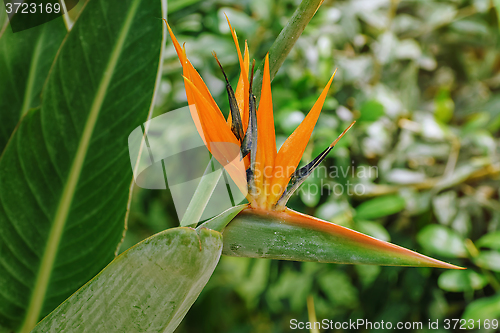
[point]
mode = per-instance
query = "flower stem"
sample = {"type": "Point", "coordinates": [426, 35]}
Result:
{"type": "Point", "coordinates": [286, 40]}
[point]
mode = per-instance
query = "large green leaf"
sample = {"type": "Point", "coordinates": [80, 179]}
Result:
{"type": "Point", "coordinates": [290, 235]}
{"type": "Point", "coordinates": [25, 60]}
{"type": "Point", "coordinates": [65, 174]}
{"type": "Point", "coordinates": [148, 288]}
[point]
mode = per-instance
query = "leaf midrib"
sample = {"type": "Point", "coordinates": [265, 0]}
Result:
{"type": "Point", "coordinates": [49, 255]}
{"type": "Point", "coordinates": [30, 83]}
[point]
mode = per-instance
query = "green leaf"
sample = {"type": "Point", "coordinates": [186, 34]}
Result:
{"type": "Point", "coordinates": [379, 207]}
{"type": "Point", "coordinates": [445, 207]}
{"type": "Point", "coordinates": [65, 174]}
{"type": "Point", "coordinates": [25, 60]}
{"type": "Point", "coordinates": [487, 308]}
{"type": "Point", "coordinates": [371, 111]}
{"type": "Point", "coordinates": [148, 288]}
{"type": "Point", "coordinates": [491, 240]}
{"type": "Point", "coordinates": [488, 260]}
{"type": "Point", "coordinates": [442, 241]}
{"type": "Point", "coordinates": [443, 106]}
{"type": "Point", "coordinates": [461, 281]}
{"type": "Point", "coordinates": [294, 236]}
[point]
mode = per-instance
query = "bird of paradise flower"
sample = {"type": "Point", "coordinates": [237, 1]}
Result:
{"type": "Point", "coordinates": [245, 145]}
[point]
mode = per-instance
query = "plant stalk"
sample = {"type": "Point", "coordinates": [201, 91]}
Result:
{"type": "Point", "coordinates": [286, 40]}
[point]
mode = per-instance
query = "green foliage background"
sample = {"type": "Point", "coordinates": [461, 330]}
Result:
{"type": "Point", "coordinates": [422, 78]}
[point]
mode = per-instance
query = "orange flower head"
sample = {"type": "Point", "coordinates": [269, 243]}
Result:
{"type": "Point", "coordinates": [245, 143]}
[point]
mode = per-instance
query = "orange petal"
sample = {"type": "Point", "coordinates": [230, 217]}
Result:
{"type": "Point", "coordinates": [223, 152]}
{"type": "Point", "coordinates": [214, 126]}
{"type": "Point", "coordinates": [242, 94]}
{"type": "Point", "coordinates": [190, 72]}
{"type": "Point", "coordinates": [240, 91]}
{"type": "Point", "coordinates": [291, 151]}
{"type": "Point", "coordinates": [266, 142]}
{"type": "Point", "coordinates": [177, 46]}
{"type": "Point", "coordinates": [220, 140]}
{"type": "Point", "coordinates": [246, 160]}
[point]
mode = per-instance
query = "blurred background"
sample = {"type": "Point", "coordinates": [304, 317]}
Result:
{"type": "Point", "coordinates": [422, 79]}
